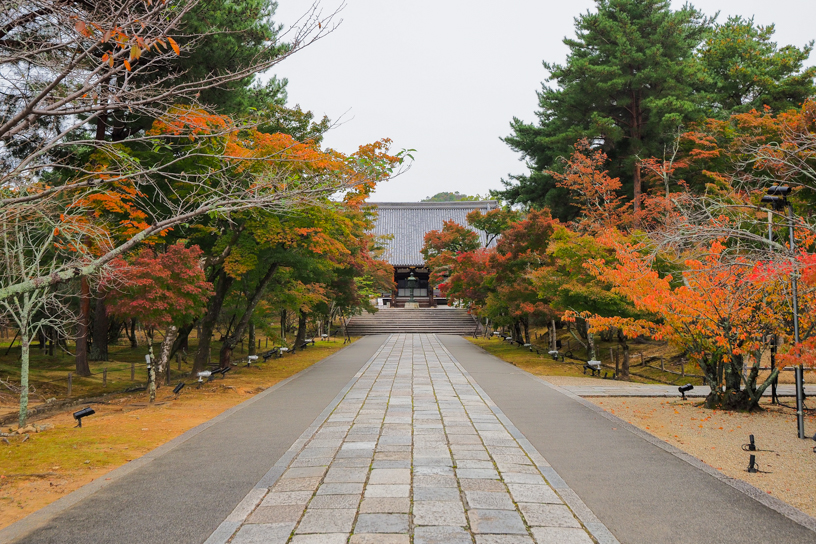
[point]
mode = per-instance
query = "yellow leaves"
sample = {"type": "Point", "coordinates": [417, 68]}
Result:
{"type": "Point", "coordinates": [135, 52]}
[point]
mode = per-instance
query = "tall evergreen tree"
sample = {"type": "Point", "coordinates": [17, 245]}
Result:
{"type": "Point", "coordinates": [628, 83]}
{"type": "Point", "coordinates": [745, 70]}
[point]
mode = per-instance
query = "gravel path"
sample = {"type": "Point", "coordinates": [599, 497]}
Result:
{"type": "Point", "coordinates": [716, 438]}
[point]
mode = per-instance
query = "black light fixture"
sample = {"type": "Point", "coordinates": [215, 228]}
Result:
{"type": "Point", "coordinates": [777, 197]}
{"type": "Point", "coordinates": [751, 444]}
{"type": "Point", "coordinates": [224, 371]}
{"type": "Point", "coordinates": [752, 466]}
{"type": "Point", "coordinates": [685, 389]}
{"type": "Point", "coordinates": [177, 389]}
{"type": "Point", "coordinates": [85, 412]}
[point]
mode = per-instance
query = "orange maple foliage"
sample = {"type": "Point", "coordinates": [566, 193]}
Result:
{"type": "Point", "coordinates": [718, 310]}
{"type": "Point", "coordinates": [596, 194]}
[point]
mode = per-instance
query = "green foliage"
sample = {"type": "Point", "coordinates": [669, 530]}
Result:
{"type": "Point", "coordinates": [236, 34]}
{"type": "Point", "coordinates": [626, 86]}
{"type": "Point", "coordinates": [746, 70]}
{"type": "Point", "coordinates": [451, 197]}
{"type": "Point", "coordinates": [569, 285]}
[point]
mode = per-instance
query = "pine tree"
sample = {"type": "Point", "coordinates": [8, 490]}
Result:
{"type": "Point", "coordinates": [746, 70]}
{"type": "Point", "coordinates": [628, 83]}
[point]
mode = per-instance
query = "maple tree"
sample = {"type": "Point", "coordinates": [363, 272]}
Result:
{"type": "Point", "coordinates": [594, 193]}
{"type": "Point", "coordinates": [493, 281]}
{"type": "Point", "coordinates": [717, 309]}
{"type": "Point", "coordinates": [162, 291]}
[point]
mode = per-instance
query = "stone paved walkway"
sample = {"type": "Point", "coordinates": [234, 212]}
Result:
{"type": "Point", "coordinates": [413, 452]}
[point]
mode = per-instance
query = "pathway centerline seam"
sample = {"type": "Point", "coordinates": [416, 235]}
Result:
{"type": "Point", "coordinates": [594, 525]}
{"type": "Point", "coordinates": [231, 524]}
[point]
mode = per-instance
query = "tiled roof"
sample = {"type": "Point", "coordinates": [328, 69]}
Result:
{"type": "Point", "coordinates": [409, 221]}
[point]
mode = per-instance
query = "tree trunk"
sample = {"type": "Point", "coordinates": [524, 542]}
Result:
{"type": "Point", "coordinates": [251, 338]}
{"type": "Point", "coordinates": [151, 368]}
{"type": "Point", "coordinates": [222, 285]}
{"type": "Point", "coordinates": [526, 324]}
{"type": "Point", "coordinates": [283, 325]}
{"type": "Point", "coordinates": [637, 187]}
{"type": "Point", "coordinates": [591, 346]}
{"type": "Point", "coordinates": [82, 368]}
{"type": "Point", "coordinates": [24, 360]}
{"type": "Point", "coordinates": [130, 331]}
{"type": "Point", "coordinates": [52, 333]}
{"type": "Point", "coordinates": [301, 331]}
{"type": "Point", "coordinates": [182, 338]}
{"type": "Point", "coordinates": [624, 370]}
{"type": "Point", "coordinates": [232, 340]}
{"type": "Point", "coordinates": [99, 349]}
{"type": "Point", "coordinates": [160, 367]}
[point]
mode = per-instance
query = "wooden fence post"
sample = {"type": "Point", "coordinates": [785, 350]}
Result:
{"type": "Point", "coordinates": [683, 368]}
{"type": "Point", "coordinates": [69, 384]}
{"type": "Point", "coordinates": [104, 377]}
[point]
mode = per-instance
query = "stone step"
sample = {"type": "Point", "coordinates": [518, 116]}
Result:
{"type": "Point", "coordinates": [421, 320]}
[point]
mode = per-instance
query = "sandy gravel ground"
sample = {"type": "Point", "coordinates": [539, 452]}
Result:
{"type": "Point", "coordinates": [716, 438]}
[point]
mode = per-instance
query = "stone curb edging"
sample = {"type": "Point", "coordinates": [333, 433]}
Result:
{"type": "Point", "coordinates": [40, 517]}
{"type": "Point", "coordinates": [596, 528]}
{"type": "Point", "coordinates": [790, 512]}
{"type": "Point", "coordinates": [227, 528]}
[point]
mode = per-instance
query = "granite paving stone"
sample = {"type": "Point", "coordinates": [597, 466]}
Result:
{"type": "Point", "coordinates": [496, 521]}
{"type": "Point", "coordinates": [548, 515]}
{"type": "Point", "coordinates": [439, 513]}
{"type": "Point", "coordinates": [560, 535]}
{"type": "Point", "coordinates": [412, 454]}
{"type": "Point", "coordinates": [381, 523]}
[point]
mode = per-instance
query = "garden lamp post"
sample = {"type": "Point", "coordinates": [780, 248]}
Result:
{"type": "Point", "coordinates": [412, 281]}
{"type": "Point", "coordinates": [777, 198]}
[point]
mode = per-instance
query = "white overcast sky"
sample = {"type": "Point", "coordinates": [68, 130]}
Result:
{"type": "Point", "coordinates": [445, 77]}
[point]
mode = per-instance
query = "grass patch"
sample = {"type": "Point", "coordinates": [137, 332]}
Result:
{"type": "Point", "coordinates": [40, 470]}
{"type": "Point", "coordinates": [544, 365]}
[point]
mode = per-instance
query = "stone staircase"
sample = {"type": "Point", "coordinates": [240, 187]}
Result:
{"type": "Point", "coordinates": [427, 320]}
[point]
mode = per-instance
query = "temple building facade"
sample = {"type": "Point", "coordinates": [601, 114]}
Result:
{"type": "Point", "coordinates": [407, 223]}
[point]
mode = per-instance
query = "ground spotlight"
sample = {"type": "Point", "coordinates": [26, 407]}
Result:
{"type": "Point", "coordinates": [177, 389]}
{"type": "Point", "coordinates": [752, 466]}
{"type": "Point", "coordinates": [751, 445]}
{"type": "Point", "coordinates": [85, 412]}
{"type": "Point", "coordinates": [204, 374]}
{"type": "Point", "coordinates": [685, 389]}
